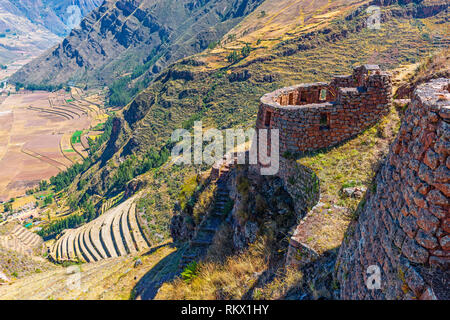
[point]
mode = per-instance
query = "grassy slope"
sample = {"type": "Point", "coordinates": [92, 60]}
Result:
{"type": "Point", "coordinates": [16, 266]}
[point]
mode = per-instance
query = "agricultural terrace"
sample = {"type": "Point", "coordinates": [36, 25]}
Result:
{"type": "Point", "coordinates": [41, 134]}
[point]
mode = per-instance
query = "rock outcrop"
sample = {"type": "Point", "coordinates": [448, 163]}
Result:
{"type": "Point", "coordinates": [402, 234]}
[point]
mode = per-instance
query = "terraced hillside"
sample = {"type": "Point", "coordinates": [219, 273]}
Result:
{"type": "Point", "coordinates": [115, 233]}
{"type": "Point", "coordinates": [111, 279]}
{"type": "Point", "coordinates": [35, 135]}
{"type": "Point", "coordinates": [17, 238]}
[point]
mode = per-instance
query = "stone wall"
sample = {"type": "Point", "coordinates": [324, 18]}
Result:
{"type": "Point", "coordinates": [303, 186]}
{"type": "Point", "coordinates": [404, 227]}
{"type": "Point", "coordinates": [319, 115]}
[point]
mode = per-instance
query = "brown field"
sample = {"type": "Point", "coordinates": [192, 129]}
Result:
{"type": "Point", "coordinates": [35, 131]}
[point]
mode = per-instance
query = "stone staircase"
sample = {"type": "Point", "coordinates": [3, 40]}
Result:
{"type": "Point", "coordinates": [207, 229]}
{"type": "Point", "coordinates": [23, 241]}
{"type": "Point", "coordinates": [114, 234]}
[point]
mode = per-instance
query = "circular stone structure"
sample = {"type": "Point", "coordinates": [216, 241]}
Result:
{"type": "Point", "coordinates": [319, 115]}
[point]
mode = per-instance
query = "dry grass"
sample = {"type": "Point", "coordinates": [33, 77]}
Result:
{"type": "Point", "coordinates": [289, 280]}
{"type": "Point", "coordinates": [16, 265]}
{"type": "Point", "coordinates": [231, 279]}
{"type": "Point", "coordinates": [354, 161]}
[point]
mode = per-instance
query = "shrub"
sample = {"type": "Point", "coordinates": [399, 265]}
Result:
{"type": "Point", "coordinates": [190, 272]}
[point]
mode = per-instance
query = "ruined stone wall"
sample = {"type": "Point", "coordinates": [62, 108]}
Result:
{"type": "Point", "coordinates": [301, 183]}
{"type": "Point", "coordinates": [323, 114]}
{"type": "Point", "coordinates": [303, 186]}
{"type": "Point", "coordinates": [405, 224]}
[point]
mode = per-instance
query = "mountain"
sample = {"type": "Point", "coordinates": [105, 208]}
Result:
{"type": "Point", "coordinates": [59, 17]}
{"type": "Point", "coordinates": [28, 28]}
{"type": "Point", "coordinates": [123, 36]}
{"type": "Point", "coordinates": [19, 37]}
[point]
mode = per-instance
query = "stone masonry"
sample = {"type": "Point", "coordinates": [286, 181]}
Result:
{"type": "Point", "coordinates": [319, 115]}
{"type": "Point", "coordinates": [404, 227]}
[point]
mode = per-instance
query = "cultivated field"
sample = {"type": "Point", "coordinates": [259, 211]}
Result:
{"type": "Point", "coordinates": [35, 136]}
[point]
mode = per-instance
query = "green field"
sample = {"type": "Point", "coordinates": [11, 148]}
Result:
{"type": "Point", "coordinates": [76, 137]}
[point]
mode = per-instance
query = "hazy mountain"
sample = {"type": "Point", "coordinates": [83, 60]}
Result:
{"type": "Point", "coordinates": [58, 16]}
{"type": "Point", "coordinates": [29, 27]}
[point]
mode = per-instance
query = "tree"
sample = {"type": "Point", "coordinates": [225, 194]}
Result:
{"type": "Point", "coordinates": [89, 211]}
{"type": "Point", "coordinates": [7, 207]}
{"type": "Point", "coordinates": [246, 50]}
{"type": "Point", "coordinates": [48, 200]}
{"type": "Point", "coordinates": [233, 57]}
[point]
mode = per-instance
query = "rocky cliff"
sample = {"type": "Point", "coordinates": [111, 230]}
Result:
{"type": "Point", "coordinates": [122, 35]}
{"type": "Point", "coordinates": [402, 235]}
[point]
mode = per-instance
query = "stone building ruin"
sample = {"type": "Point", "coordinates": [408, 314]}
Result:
{"type": "Point", "coordinates": [318, 115]}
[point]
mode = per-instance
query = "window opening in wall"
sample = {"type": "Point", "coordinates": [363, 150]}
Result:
{"type": "Point", "coordinates": [267, 118]}
{"type": "Point", "coordinates": [324, 121]}
{"type": "Point", "coordinates": [302, 96]}
{"type": "Point", "coordinates": [323, 95]}
{"type": "Point", "coordinates": [291, 99]}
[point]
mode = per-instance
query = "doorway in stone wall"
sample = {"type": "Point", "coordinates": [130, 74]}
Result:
{"type": "Point", "coordinates": [291, 99]}
{"type": "Point", "coordinates": [267, 118]}
{"type": "Point", "coordinates": [324, 121]}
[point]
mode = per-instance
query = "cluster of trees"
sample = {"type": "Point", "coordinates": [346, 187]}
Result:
{"type": "Point", "coordinates": [73, 221]}
{"type": "Point", "coordinates": [134, 166]}
{"type": "Point", "coordinates": [48, 200]}
{"type": "Point", "coordinates": [7, 207]}
{"type": "Point", "coordinates": [44, 87]}
{"type": "Point", "coordinates": [63, 179]}
{"type": "Point", "coordinates": [43, 185]}
{"type": "Point", "coordinates": [119, 93]}
{"type": "Point", "coordinates": [236, 56]}
{"type": "Point", "coordinates": [124, 89]}
{"type": "Point", "coordinates": [58, 226]}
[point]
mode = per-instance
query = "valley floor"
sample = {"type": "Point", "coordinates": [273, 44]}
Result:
{"type": "Point", "coordinates": [35, 131]}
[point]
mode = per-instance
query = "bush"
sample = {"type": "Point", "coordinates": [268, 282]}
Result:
{"type": "Point", "coordinates": [190, 272]}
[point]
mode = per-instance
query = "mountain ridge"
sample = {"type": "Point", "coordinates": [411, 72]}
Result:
{"type": "Point", "coordinates": [121, 35]}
